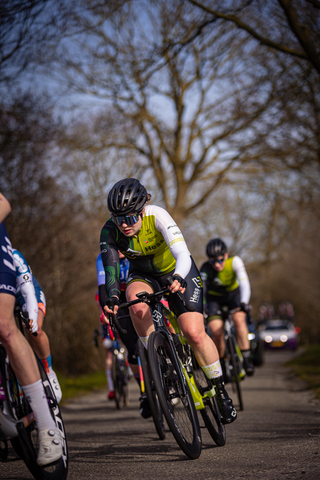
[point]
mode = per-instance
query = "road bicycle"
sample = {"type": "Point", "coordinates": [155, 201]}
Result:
{"type": "Point", "coordinates": [119, 370]}
{"type": "Point", "coordinates": [17, 421]}
{"type": "Point", "coordinates": [233, 358]}
{"type": "Point", "coordinates": [181, 392]}
{"type": "Point", "coordinates": [147, 386]}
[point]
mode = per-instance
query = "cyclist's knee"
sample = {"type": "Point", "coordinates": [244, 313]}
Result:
{"type": "Point", "coordinates": [8, 331]}
{"type": "Point", "coordinates": [196, 338]}
{"type": "Point", "coordinates": [140, 310]}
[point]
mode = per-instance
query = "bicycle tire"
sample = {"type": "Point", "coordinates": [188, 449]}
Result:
{"type": "Point", "coordinates": [211, 413]}
{"type": "Point", "coordinates": [182, 417]}
{"type": "Point", "coordinates": [119, 386]}
{"type": "Point", "coordinates": [3, 450]}
{"type": "Point", "coordinates": [151, 392]}
{"type": "Point", "coordinates": [26, 444]}
{"type": "Point", "coordinates": [235, 369]}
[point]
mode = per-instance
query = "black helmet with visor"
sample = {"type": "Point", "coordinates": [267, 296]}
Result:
{"type": "Point", "coordinates": [127, 197]}
{"type": "Point", "coordinates": [215, 248]}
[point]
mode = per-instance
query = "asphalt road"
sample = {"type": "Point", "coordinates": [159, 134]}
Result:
{"type": "Point", "coordinates": [276, 436]}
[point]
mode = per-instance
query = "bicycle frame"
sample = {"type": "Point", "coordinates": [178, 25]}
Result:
{"type": "Point", "coordinates": [196, 395]}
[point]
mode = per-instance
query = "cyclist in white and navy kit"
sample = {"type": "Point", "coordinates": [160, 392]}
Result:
{"type": "Point", "coordinates": [20, 354]}
{"type": "Point", "coordinates": [30, 298]}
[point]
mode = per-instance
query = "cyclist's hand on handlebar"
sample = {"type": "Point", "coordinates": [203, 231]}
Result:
{"type": "Point", "coordinates": [104, 319]}
{"type": "Point", "coordinates": [244, 307]}
{"type": "Point", "coordinates": [30, 324]}
{"type": "Point", "coordinates": [178, 284]}
{"type": "Point", "coordinates": [33, 325]}
{"type": "Point", "coordinates": [111, 306]}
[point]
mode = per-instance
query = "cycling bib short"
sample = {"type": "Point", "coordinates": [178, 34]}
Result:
{"type": "Point", "coordinates": [193, 295]}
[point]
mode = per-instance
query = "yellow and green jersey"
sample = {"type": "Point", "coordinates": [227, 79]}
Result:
{"type": "Point", "coordinates": [158, 248]}
{"type": "Point", "coordinates": [232, 276]}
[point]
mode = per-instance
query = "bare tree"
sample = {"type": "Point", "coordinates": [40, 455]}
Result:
{"type": "Point", "coordinates": [46, 223]}
{"type": "Point", "coordinates": [26, 26]}
{"type": "Point", "coordinates": [186, 118]}
{"type": "Point", "coordinates": [289, 26]}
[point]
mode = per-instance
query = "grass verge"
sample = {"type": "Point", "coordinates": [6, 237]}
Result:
{"type": "Point", "coordinates": [307, 367]}
{"type": "Point", "coordinates": [78, 386]}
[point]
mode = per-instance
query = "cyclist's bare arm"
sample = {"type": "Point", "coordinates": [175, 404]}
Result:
{"type": "Point", "coordinates": [5, 207]}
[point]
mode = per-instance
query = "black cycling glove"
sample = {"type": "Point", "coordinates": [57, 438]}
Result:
{"type": "Point", "coordinates": [244, 307]}
{"type": "Point", "coordinates": [181, 280]}
{"type": "Point", "coordinates": [111, 302]}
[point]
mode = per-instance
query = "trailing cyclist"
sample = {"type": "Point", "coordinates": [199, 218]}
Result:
{"type": "Point", "coordinates": [20, 353]}
{"type": "Point", "coordinates": [30, 298]}
{"type": "Point", "coordinates": [148, 236]}
{"type": "Point", "coordinates": [130, 339]}
{"type": "Point", "coordinates": [226, 283]}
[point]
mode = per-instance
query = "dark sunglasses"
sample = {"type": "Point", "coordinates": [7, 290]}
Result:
{"type": "Point", "coordinates": [127, 219]}
{"type": "Point", "coordinates": [216, 260]}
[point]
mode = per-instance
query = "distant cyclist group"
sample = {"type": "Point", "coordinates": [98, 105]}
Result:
{"type": "Point", "coordinates": [141, 250]}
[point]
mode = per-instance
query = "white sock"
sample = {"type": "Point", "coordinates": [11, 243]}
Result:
{"type": "Point", "coordinates": [213, 371]}
{"type": "Point", "coordinates": [144, 340]}
{"type": "Point", "coordinates": [38, 402]}
{"type": "Point", "coordinates": [109, 380]}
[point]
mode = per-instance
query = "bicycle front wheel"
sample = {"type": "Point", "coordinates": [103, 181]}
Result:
{"type": "Point", "coordinates": [211, 413]}
{"type": "Point", "coordinates": [26, 445]}
{"type": "Point", "coordinates": [151, 392]}
{"type": "Point", "coordinates": [235, 369]}
{"type": "Point", "coordinates": [178, 407]}
{"type": "Point", "coordinates": [120, 381]}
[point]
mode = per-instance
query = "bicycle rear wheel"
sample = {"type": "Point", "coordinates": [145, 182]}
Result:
{"type": "Point", "coordinates": [178, 408]}
{"type": "Point", "coordinates": [151, 392]}
{"type": "Point", "coordinates": [235, 369]}
{"type": "Point", "coordinates": [211, 413]}
{"type": "Point", "coordinates": [26, 445]}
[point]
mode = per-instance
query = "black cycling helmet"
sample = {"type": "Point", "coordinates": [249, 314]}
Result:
{"type": "Point", "coordinates": [216, 247]}
{"type": "Point", "coordinates": [127, 196]}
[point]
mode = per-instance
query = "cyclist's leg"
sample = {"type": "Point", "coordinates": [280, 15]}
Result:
{"type": "Point", "coordinates": [143, 325]}
{"type": "Point", "coordinates": [108, 347]}
{"type": "Point", "coordinates": [41, 346]}
{"type": "Point", "coordinates": [192, 326]}
{"type": "Point", "coordinates": [24, 365]}
{"type": "Point", "coordinates": [241, 327]}
{"type": "Point", "coordinates": [191, 323]}
{"type": "Point", "coordinates": [140, 313]}
{"type": "Point", "coordinates": [216, 328]}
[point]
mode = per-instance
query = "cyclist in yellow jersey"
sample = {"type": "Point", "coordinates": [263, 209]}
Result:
{"type": "Point", "coordinates": [151, 240]}
{"type": "Point", "coordinates": [225, 282]}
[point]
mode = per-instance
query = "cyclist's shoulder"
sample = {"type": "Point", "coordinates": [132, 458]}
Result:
{"type": "Point", "coordinates": [158, 213]}
{"type": "Point", "coordinates": [235, 262]}
{"type": "Point", "coordinates": [155, 211]}
{"type": "Point", "coordinates": [108, 225]}
{"type": "Point", "coordinates": [109, 232]}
